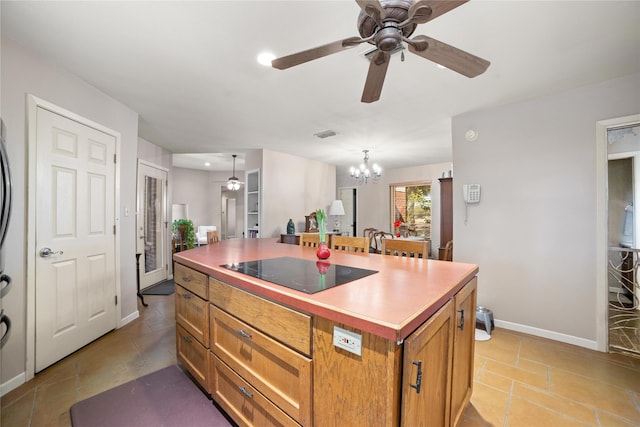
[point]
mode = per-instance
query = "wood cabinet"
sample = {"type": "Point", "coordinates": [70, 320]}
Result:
{"type": "Point", "coordinates": [192, 322]}
{"type": "Point", "coordinates": [381, 385]}
{"type": "Point", "coordinates": [426, 376]}
{"type": "Point", "coordinates": [446, 213]}
{"type": "Point", "coordinates": [290, 239]}
{"type": "Point", "coordinates": [255, 345]}
{"type": "Point", "coordinates": [463, 350]}
{"type": "Point", "coordinates": [267, 364]}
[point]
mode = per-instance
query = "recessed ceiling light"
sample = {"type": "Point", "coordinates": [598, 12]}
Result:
{"type": "Point", "coordinates": [265, 58]}
{"type": "Point", "coordinates": [207, 164]}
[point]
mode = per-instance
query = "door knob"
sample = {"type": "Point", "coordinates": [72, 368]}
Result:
{"type": "Point", "coordinates": [47, 252]}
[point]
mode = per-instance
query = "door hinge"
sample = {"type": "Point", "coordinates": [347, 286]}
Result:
{"type": "Point", "coordinates": [116, 299]}
{"type": "Point", "coordinates": [114, 229]}
{"type": "Point", "coordinates": [115, 158]}
{"type": "Point", "coordinates": [166, 267]}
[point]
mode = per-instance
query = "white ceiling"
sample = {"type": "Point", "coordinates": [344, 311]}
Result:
{"type": "Point", "coordinates": [189, 69]}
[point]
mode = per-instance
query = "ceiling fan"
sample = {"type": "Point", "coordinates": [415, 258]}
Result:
{"type": "Point", "coordinates": [386, 24]}
{"type": "Point", "coordinates": [233, 183]}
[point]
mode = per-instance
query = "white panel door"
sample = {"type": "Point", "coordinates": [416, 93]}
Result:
{"type": "Point", "coordinates": [75, 236]}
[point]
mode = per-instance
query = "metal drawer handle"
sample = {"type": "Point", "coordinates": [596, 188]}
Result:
{"type": "Point", "coordinates": [185, 279]}
{"type": "Point", "coordinates": [187, 339]}
{"type": "Point", "coordinates": [244, 334]}
{"type": "Point", "coordinates": [461, 324]}
{"type": "Point", "coordinates": [418, 377]}
{"type": "Point", "coordinates": [245, 392]}
{"type": "Point", "coordinates": [186, 296]}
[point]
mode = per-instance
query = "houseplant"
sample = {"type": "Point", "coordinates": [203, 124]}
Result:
{"type": "Point", "coordinates": [323, 251]}
{"type": "Point", "coordinates": [184, 227]}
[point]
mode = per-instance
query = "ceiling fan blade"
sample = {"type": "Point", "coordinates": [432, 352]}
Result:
{"type": "Point", "coordinates": [448, 56]}
{"type": "Point", "coordinates": [374, 9]}
{"type": "Point", "coordinates": [315, 53]}
{"type": "Point", "coordinates": [420, 9]}
{"type": "Point", "coordinates": [375, 77]}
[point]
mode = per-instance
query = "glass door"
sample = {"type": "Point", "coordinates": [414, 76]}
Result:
{"type": "Point", "coordinates": [152, 224]}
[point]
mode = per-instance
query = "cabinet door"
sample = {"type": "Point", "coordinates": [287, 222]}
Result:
{"type": "Point", "coordinates": [426, 376]}
{"type": "Point", "coordinates": [193, 356]}
{"type": "Point", "coordinates": [463, 348]}
{"type": "Point", "coordinates": [192, 313]}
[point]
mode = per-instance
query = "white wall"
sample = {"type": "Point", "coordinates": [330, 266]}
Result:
{"type": "Point", "coordinates": [192, 187]}
{"type": "Point", "coordinates": [292, 188]}
{"type": "Point", "coordinates": [24, 73]}
{"type": "Point", "coordinates": [202, 191]}
{"type": "Point", "coordinates": [373, 199]}
{"type": "Point", "coordinates": [534, 232]}
{"type": "Point", "coordinates": [155, 154]}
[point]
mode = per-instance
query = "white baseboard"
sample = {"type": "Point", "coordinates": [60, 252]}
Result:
{"type": "Point", "coordinates": [556, 336]}
{"type": "Point", "coordinates": [13, 383]}
{"type": "Point", "coordinates": [130, 318]}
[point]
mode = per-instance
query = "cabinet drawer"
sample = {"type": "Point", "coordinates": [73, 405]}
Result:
{"type": "Point", "coordinates": [192, 280]}
{"type": "Point", "coordinates": [288, 326]}
{"type": "Point", "coordinates": [192, 313]}
{"type": "Point", "coordinates": [242, 402]}
{"type": "Point", "coordinates": [279, 373]}
{"type": "Point", "coordinates": [193, 356]}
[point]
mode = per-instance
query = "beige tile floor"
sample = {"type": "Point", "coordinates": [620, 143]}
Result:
{"type": "Point", "coordinates": [520, 380]}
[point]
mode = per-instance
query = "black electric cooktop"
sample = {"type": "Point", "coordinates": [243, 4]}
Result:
{"type": "Point", "coordinates": [300, 274]}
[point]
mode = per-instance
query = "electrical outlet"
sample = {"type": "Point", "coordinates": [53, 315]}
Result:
{"type": "Point", "coordinates": [347, 340]}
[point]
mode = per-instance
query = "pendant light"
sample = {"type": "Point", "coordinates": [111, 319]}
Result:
{"type": "Point", "coordinates": [233, 183]}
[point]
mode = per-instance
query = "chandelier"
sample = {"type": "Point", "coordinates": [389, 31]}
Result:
{"type": "Point", "coordinates": [363, 173]}
{"type": "Point", "coordinates": [233, 183]}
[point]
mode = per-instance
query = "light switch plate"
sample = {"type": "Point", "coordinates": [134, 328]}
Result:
{"type": "Point", "coordinates": [347, 340]}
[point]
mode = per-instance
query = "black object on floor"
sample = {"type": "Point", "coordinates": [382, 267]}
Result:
{"type": "Point", "coordinates": [167, 397]}
{"type": "Point", "coordinates": [163, 288]}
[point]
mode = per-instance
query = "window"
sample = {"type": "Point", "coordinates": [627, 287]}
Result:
{"type": "Point", "coordinates": [411, 205]}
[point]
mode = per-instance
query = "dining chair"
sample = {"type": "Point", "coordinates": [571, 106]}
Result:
{"type": "Point", "coordinates": [378, 237]}
{"type": "Point", "coordinates": [311, 240]}
{"type": "Point", "coordinates": [350, 244]}
{"type": "Point", "coordinates": [408, 248]}
{"type": "Point", "coordinates": [212, 237]}
{"type": "Point", "coordinates": [448, 251]}
{"type": "Point", "coordinates": [368, 233]}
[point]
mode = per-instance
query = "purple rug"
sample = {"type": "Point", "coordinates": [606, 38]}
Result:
{"type": "Point", "coordinates": [167, 397]}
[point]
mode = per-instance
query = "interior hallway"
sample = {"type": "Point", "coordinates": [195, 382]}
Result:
{"type": "Point", "coordinates": [520, 380]}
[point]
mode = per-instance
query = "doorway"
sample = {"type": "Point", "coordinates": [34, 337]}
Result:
{"type": "Point", "coordinates": [229, 213]}
{"type": "Point", "coordinates": [152, 224]}
{"type": "Point", "coordinates": [623, 185]}
{"type": "Point", "coordinates": [73, 242]}
{"type": "Point", "coordinates": [348, 223]}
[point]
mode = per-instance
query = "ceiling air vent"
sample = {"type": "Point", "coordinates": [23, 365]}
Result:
{"type": "Point", "coordinates": [325, 134]}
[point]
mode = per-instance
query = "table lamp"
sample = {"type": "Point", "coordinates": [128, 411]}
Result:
{"type": "Point", "coordinates": [337, 210]}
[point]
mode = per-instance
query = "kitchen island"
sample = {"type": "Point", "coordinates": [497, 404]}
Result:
{"type": "Point", "coordinates": [392, 348]}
